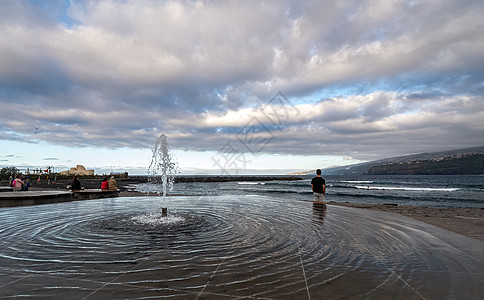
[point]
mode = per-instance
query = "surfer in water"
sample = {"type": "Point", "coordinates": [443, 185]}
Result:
{"type": "Point", "coordinates": [318, 185]}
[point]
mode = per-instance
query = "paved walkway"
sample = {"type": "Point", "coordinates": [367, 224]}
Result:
{"type": "Point", "coordinates": [32, 194]}
{"type": "Point", "coordinates": [26, 198]}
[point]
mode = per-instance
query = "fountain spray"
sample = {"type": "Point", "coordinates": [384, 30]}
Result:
{"type": "Point", "coordinates": [163, 168]}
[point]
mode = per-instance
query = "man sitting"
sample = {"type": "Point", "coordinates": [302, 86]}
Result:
{"type": "Point", "coordinates": [112, 184]}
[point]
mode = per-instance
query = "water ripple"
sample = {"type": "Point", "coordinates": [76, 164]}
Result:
{"type": "Point", "coordinates": [229, 246]}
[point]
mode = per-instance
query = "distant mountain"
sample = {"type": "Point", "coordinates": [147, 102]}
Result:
{"type": "Point", "coordinates": [460, 161]}
{"type": "Point", "coordinates": [471, 164]}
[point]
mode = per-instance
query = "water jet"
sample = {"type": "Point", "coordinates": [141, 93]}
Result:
{"type": "Point", "coordinates": [163, 169]}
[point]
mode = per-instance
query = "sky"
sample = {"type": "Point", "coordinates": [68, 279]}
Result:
{"type": "Point", "coordinates": [238, 87]}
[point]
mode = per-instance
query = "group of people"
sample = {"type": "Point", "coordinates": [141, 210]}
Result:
{"type": "Point", "coordinates": [105, 184]}
{"type": "Point", "coordinates": [318, 185]}
{"type": "Point", "coordinates": [109, 184]}
{"type": "Point", "coordinates": [18, 184]}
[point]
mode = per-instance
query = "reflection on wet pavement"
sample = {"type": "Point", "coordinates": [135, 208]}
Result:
{"type": "Point", "coordinates": [230, 246]}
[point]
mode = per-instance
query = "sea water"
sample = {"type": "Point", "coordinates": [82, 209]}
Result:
{"type": "Point", "coordinates": [411, 190]}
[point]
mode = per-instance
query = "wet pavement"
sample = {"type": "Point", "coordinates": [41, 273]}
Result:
{"type": "Point", "coordinates": [227, 247]}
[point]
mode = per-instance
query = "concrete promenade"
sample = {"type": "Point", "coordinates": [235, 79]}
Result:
{"type": "Point", "coordinates": [25, 198]}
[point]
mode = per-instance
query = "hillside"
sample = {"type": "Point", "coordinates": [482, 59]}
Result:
{"type": "Point", "coordinates": [465, 165]}
{"type": "Point", "coordinates": [454, 162]}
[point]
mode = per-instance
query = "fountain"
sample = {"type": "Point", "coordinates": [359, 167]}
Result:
{"type": "Point", "coordinates": [162, 169]}
{"type": "Point", "coordinates": [231, 246]}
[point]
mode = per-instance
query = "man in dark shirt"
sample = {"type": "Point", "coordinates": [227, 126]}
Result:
{"type": "Point", "coordinates": [318, 185]}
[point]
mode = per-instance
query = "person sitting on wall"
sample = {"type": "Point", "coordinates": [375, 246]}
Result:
{"type": "Point", "coordinates": [104, 184]}
{"type": "Point", "coordinates": [112, 184]}
{"type": "Point", "coordinates": [17, 184]}
{"type": "Point", "coordinates": [26, 185]}
{"type": "Point", "coordinates": [75, 184]}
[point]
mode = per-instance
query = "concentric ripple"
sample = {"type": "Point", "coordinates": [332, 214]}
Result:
{"type": "Point", "coordinates": [229, 247]}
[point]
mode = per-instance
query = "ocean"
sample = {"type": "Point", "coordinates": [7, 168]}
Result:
{"type": "Point", "coordinates": [411, 190]}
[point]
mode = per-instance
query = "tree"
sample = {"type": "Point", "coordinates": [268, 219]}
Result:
{"type": "Point", "coordinates": [6, 172]}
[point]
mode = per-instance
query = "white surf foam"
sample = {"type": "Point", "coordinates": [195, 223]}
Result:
{"type": "Point", "coordinates": [365, 187]}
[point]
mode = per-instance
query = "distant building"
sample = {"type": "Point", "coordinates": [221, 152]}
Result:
{"type": "Point", "coordinates": [119, 175]}
{"type": "Point", "coordinates": [78, 170]}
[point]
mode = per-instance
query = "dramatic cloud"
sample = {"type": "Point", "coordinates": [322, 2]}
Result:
{"type": "Point", "coordinates": [363, 79]}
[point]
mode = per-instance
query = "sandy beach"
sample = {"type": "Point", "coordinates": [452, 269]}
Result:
{"type": "Point", "coordinates": [467, 222]}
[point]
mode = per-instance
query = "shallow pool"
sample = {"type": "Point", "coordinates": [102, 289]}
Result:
{"type": "Point", "coordinates": [229, 247]}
